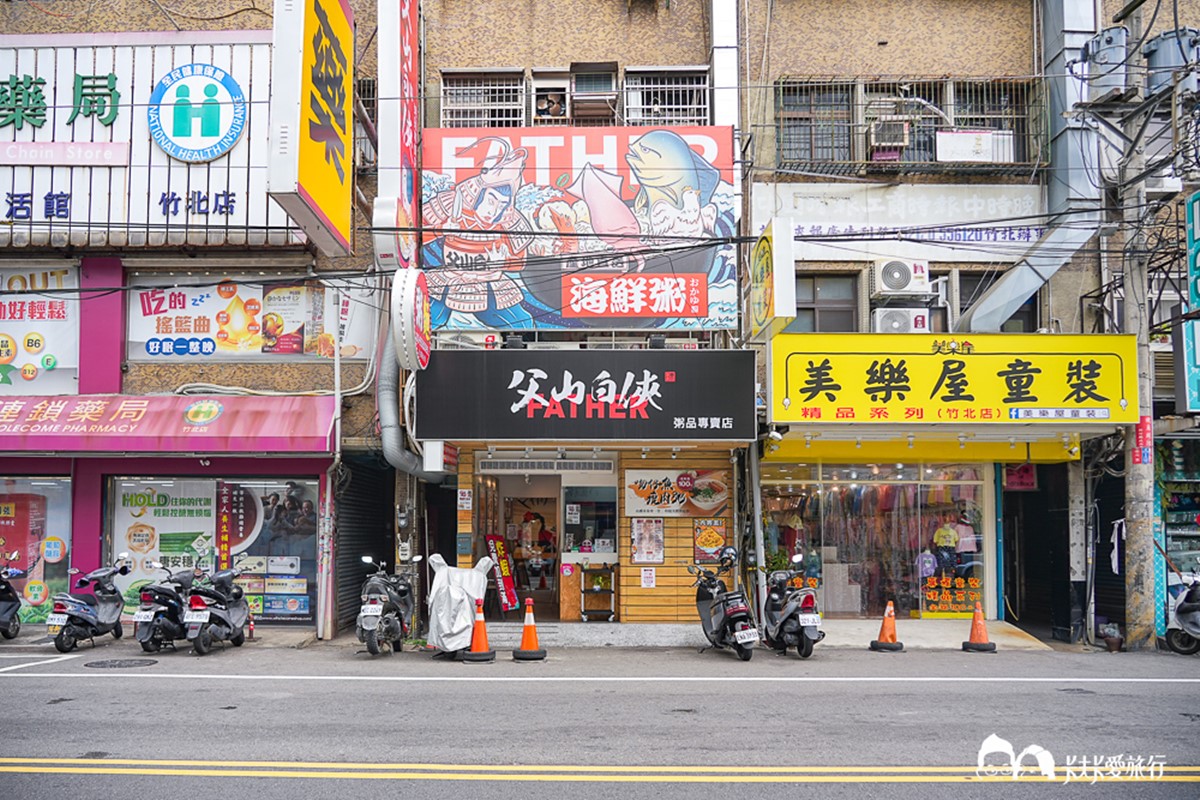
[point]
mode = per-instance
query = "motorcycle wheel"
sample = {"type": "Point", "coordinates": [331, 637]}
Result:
{"type": "Point", "coordinates": [117, 630]}
{"type": "Point", "coordinates": [805, 648]}
{"type": "Point", "coordinates": [151, 645]}
{"type": "Point", "coordinates": [64, 642]}
{"type": "Point", "coordinates": [1182, 642]}
{"type": "Point", "coordinates": [11, 630]}
{"type": "Point", "coordinates": [745, 652]}
{"type": "Point", "coordinates": [373, 642]}
{"type": "Point", "coordinates": [238, 639]}
{"type": "Point", "coordinates": [203, 642]}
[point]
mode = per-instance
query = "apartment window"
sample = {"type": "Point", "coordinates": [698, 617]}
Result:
{"type": "Point", "coordinates": [902, 120]}
{"type": "Point", "coordinates": [815, 122]}
{"type": "Point", "coordinates": [666, 98]}
{"type": "Point", "coordinates": [972, 285]}
{"type": "Point", "coordinates": [1000, 106]}
{"type": "Point", "coordinates": [825, 304]}
{"type": "Point", "coordinates": [483, 101]}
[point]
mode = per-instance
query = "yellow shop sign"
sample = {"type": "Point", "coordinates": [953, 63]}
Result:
{"type": "Point", "coordinates": [953, 378]}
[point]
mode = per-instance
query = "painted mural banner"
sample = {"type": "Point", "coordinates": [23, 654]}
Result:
{"type": "Point", "coordinates": [39, 330]}
{"type": "Point", "coordinates": [587, 395]}
{"type": "Point", "coordinates": [580, 228]}
{"type": "Point", "coordinates": [952, 378]}
{"type": "Point", "coordinates": [677, 493]}
{"type": "Point", "coordinates": [234, 320]}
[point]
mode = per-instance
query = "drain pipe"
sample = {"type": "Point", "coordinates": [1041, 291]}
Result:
{"type": "Point", "coordinates": [387, 399]}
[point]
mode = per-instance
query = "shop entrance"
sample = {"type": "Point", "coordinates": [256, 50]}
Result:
{"type": "Point", "coordinates": [524, 514]}
{"type": "Point", "coordinates": [1037, 589]}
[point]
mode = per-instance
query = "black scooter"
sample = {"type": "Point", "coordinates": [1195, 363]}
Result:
{"type": "Point", "coordinates": [86, 616]}
{"type": "Point", "coordinates": [10, 598]}
{"type": "Point", "coordinates": [217, 612]}
{"type": "Point", "coordinates": [724, 615]}
{"type": "Point", "coordinates": [159, 620]}
{"type": "Point", "coordinates": [387, 609]}
{"type": "Point", "coordinates": [791, 613]}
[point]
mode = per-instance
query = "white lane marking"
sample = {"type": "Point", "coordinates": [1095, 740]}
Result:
{"type": "Point", "coordinates": [43, 662]}
{"type": "Point", "coordinates": [191, 676]}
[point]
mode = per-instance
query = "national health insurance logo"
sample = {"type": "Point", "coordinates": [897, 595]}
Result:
{"type": "Point", "coordinates": [197, 113]}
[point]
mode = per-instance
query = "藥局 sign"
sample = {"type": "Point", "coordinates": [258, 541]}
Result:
{"type": "Point", "coordinates": [161, 139]}
{"type": "Point", "coordinates": [977, 378]}
{"type": "Point", "coordinates": [239, 320]}
{"type": "Point", "coordinates": [39, 330]}
{"type": "Point", "coordinates": [979, 223]}
{"type": "Point", "coordinates": [587, 394]}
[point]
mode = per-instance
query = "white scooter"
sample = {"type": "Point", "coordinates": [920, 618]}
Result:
{"type": "Point", "coordinates": [1183, 628]}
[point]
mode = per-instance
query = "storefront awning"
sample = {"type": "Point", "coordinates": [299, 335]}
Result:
{"type": "Point", "coordinates": [166, 424]}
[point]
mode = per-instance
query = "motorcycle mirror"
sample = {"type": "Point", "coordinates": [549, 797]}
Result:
{"type": "Point", "coordinates": [798, 558]}
{"type": "Point", "coordinates": [122, 556]}
{"type": "Point", "coordinates": [13, 555]}
{"type": "Point", "coordinates": [155, 564]}
{"type": "Point", "coordinates": [415, 559]}
{"type": "Point", "coordinates": [691, 569]}
{"type": "Point", "coordinates": [368, 560]}
{"type": "Point", "coordinates": [73, 571]}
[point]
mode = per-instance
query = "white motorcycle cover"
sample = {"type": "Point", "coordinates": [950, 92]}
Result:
{"type": "Point", "coordinates": [452, 602]}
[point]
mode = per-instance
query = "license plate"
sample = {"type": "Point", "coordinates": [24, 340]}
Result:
{"type": "Point", "coordinates": [143, 616]}
{"type": "Point", "coordinates": [807, 620]}
{"type": "Point", "coordinates": [372, 611]}
{"type": "Point", "coordinates": [746, 636]}
{"type": "Point", "coordinates": [57, 620]}
{"type": "Point", "coordinates": [195, 616]}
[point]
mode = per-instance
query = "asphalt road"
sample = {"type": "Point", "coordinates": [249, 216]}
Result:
{"type": "Point", "coordinates": [328, 721]}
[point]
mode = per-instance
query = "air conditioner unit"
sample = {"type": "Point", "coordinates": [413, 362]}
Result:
{"type": "Point", "coordinates": [900, 320]}
{"type": "Point", "coordinates": [888, 133]}
{"type": "Point", "coordinates": [896, 278]}
{"type": "Point", "coordinates": [1163, 185]}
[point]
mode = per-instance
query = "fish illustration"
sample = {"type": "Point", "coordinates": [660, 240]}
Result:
{"type": "Point", "coordinates": [666, 168]}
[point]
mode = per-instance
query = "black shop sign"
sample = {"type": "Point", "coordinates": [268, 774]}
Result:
{"type": "Point", "coordinates": [559, 395]}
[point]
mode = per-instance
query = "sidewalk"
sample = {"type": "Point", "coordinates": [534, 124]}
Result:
{"type": "Point", "coordinates": [33, 637]}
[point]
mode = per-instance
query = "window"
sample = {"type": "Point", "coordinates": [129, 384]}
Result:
{"type": "Point", "coordinates": [825, 304]}
{"type": "Point", "coordinates": [815, 122]}
{"type": "Point", "coordinates": [995, 106]}
{"type": "Point", "coordinates": [972, 285]}
{"type": "Point", "coordinates": [483, 101]}
{"type": "Point", "coordinates": [364, 151]}
{"type": "Point", "coordinates": [666, 98]}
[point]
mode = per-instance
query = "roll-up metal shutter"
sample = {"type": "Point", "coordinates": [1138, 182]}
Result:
{"type": "Point", "coordinates": [365, 527]}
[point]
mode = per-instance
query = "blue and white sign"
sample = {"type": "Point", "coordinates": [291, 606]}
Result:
{"type": "Point", "coordinates": [1187, 357]}
{"type": "Point", "coordinates": [197, 113]}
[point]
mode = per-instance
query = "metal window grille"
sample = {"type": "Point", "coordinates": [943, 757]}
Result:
{"type": "Point", "coordinates": [655, 98]}
{"type": "Point", "coordinates": [483, 101]}
{"type": "Point", "coordinates": [995, 106]}
{"type": "Point", "coordinates": [364, 151]}
{"type": "Point", "coordinates": [814, 122]}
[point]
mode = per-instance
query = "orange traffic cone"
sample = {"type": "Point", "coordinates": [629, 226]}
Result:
{"type": "Point", "coordinates": [529, 650]}
{"type": "Point", "coordinates": [979, 639]}
{"type": "Point", "coordinates": [886, 643]}
{"type": "Point", "coordinates": [479, 652]}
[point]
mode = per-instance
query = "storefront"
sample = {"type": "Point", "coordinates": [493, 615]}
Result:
{"type": "Point", "coordinates": [592, 478]}
{"type": "Point", "coordinates": [170, 479]}
{"type": "Point", "coordinates": [886, 474]}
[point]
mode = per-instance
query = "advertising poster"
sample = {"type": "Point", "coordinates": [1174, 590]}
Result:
{"type": "Point", "coordinates": [240, 320]}
{"type": "Point", "coordinates": [649, 578]}
{"type": "Point", "coordinates": [35, 537]}
{"type": "Point", "coordinates": [647, 545]}
{"type": "Point", "coordinates": [676, 493]}
{"type": "Point", "coordinates": [710, 536]}
{"type": "Point", "coordinates": [170, 521]}
{"type": "Point", "coordinates": [503, 569]}
{"type": "Point", "coordinates": [39, 333]}
{"type": "Point", "coordinates": [588, 228]}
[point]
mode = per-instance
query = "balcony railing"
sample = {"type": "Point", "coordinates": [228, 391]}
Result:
{"type": "Point", "coordinates": [848, 126]}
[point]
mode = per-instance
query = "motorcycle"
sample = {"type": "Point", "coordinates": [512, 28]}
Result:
{"type": "Point", "coordinates": [791, 613]}
{"type": "Point", "coordinates": [159, 619]}
{"type": "Point", "coordinates": [217, 612]}
{"type": "Point", "coordinates": [1183, 629]}
{"type": "Point", "coordinates": [724, 615]}
{"type": "Point", "coordinates": [387, 610]}
{"type": "Point", "coordinates": [86, 616]}
{"type": "Point", "coordinates": [10, 598]}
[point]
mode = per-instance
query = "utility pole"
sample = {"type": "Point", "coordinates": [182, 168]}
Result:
{"type": "Point", "coordinates": [1140, 610]}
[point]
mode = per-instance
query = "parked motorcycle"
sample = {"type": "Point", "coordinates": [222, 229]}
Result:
{"type": "Point", "coordinates": [159, 619]}
{"type": "Point", "coordinates": [1183, 629]}
{"type": "Point", "coordinates": [10, 598]}
{"type": "Point", "coordinates": [724, 615]}
{"type": "Point", "coordinates": [217, 612]}
{"type": "Point", "coordinates": [791, 613]}
{"type": "Point", "coordinates": [385, 618]}
{"type": "Point", "coordinates": [85, 616]}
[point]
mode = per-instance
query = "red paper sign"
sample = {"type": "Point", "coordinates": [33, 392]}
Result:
{"type": "Point", "coordinates": [503, 569]}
